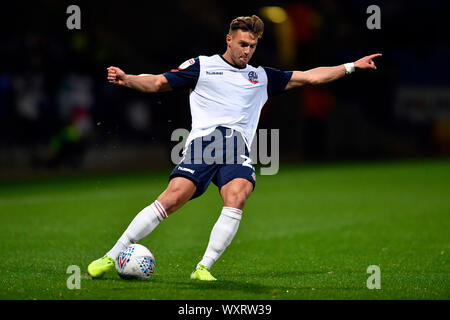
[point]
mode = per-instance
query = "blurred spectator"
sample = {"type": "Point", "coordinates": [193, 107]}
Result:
{"type": "Point", "coordinates": [68, 144]}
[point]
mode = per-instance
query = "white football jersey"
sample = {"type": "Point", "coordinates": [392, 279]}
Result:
{"type": "Point", "coordinates": [225, 95]}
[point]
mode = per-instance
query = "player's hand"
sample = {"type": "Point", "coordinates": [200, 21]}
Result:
{"type": "Point", "coordinates": [367, 62]}
{"type": "Point", "coordinates": [116, 76]}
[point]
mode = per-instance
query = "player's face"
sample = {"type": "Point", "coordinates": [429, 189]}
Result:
{"type": "Point", "coordinates": [241, 46]}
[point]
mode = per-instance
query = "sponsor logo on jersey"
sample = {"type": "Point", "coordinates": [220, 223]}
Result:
{"type": "Point", "coordinates": [212, 73]}
{"type": "Point", "coordinates": [253, 77]}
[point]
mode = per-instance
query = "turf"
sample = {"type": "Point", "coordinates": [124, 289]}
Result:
{"type": "Point", "coordinates": [309, 232]}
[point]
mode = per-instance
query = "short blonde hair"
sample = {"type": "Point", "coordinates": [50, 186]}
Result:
{"type": "Point", "coordinates": [253, 24]}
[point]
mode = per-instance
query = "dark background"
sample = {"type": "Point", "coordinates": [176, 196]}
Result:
{"type": "Point", "coordinates": [58, 112]}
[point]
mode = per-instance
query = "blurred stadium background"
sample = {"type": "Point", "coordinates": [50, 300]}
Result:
{"type": "Point", "coordinates": [58, 113]}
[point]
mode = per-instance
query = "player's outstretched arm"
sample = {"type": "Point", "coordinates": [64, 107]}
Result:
{"type": "Point", "coordinates": [142, 82]}
{"type": "Point", "coordinates": [323, 75]}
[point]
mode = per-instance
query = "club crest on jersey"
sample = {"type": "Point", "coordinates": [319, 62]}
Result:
{"type": "Point", "coordinates": [253, 77]}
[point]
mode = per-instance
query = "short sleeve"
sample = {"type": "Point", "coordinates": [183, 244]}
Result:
{"type": "Point", "coordinates": [185, 76]}
{"type": "Point", "coordinates": [277, 80]}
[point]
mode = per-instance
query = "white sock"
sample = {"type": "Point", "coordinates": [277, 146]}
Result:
{"type": "Point", "coordinates": [221, 235]}
{"type": "Point", "coordinates": [141, 226]}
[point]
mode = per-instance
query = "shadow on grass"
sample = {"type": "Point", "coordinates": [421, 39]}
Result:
{"type": "Point", "coordinates": [157, 283]}
{"type": "Point", "coordinates": [258, 283]}
{"type": "Point", "coordinates": [268, 284]}
{"type": "Point", "coordinates": [226, 285]}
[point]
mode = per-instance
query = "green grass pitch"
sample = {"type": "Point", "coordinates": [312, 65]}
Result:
{"type": "Point", "coordinates": [309, 232]}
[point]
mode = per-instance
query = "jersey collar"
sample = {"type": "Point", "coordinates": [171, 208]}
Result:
{"type": "Point", "coordinates": [233, 65]}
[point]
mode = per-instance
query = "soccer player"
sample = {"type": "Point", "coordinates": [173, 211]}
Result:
{"type": "Point", "coordinates": [226, 98]}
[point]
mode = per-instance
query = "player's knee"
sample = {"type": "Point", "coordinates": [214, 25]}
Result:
{"type": "Point", "coordinates": [171, 201]}
{"type": "Point", "coordinates": [235, 193]}
{"type": "Point", "coordinates": [176, 195]}
{"type": "Point", "coordinates": [235, 198]}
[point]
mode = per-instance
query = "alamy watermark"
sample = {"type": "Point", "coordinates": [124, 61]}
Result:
{"type": "Point", "coordinates": [74, 20]}
{"type": "Point", "coordinates": [374, 20]}
{"type": "Point", "coordinates": [74, 280]}
{"type": "Point", "coordinates": [374, 280]}
{"type": "Point", "coordinates": [229, 148]}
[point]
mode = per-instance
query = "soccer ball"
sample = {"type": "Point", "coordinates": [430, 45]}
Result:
{"type": "Point", "coordinates": [135, 262]}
